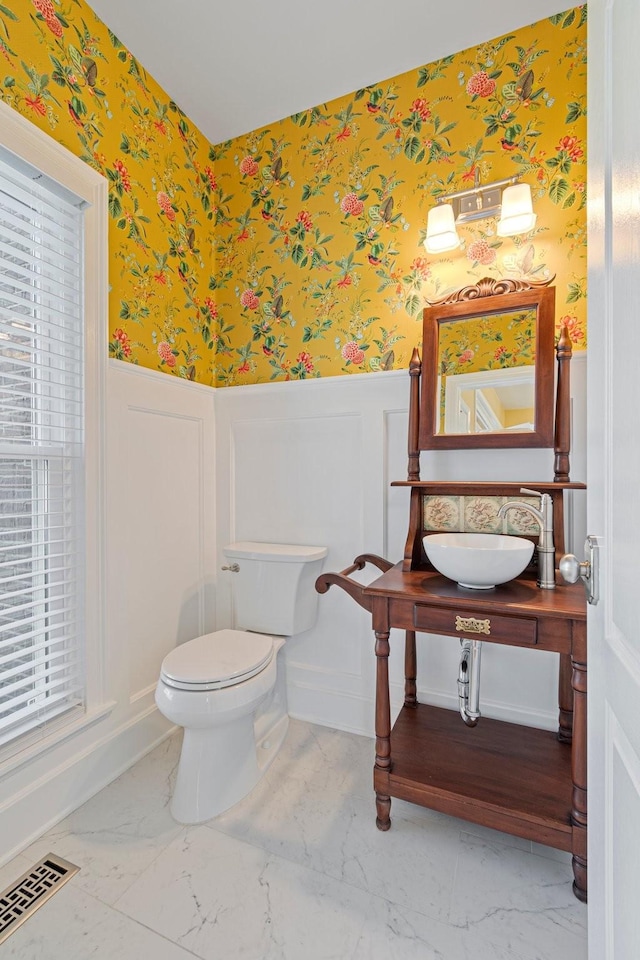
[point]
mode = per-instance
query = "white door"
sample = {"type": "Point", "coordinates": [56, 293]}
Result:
{"type": "Point", "coordinates": [613, 475]}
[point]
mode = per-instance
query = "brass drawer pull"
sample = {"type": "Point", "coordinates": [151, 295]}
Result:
{"type": "Point", "coordinates": [471, 625]}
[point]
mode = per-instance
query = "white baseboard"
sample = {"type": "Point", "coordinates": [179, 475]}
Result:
{"type": "Point", "coordinates": [29, 814]}
{"type": "Point", "coordinates": [354, 713]}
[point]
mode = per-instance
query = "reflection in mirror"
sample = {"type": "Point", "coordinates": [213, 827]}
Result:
{"type": "Point", "coordinates": [486, 374]}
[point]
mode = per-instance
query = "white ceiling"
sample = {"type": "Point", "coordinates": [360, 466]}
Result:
{"type": "Point", "coordinates": [236, 66]}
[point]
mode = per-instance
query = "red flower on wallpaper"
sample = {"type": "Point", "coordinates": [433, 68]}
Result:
{"type": "Point", "coordinates": [248, 167]}
{"type": "Point", "coordinates": [481, 85]}
{"type": "Point", "coordinates": [466, 356]}
{"type": "Point", "coordinates": [571, 146]}
{"type": "Point", "coordinates": [345, 282]}
{"type": "Point", "coordinates": [124, 175]}
{"type": "Point", "coordinates": [305, 219]}
{"type": "Point", "coordinates": [37, 105]}
{"type": "Point", "coordinates": [352, 204]}
{"type": "Point", "coordinates": [573, 328]}
{"type": "Point", "coordinates": [211, 307]}
{"type": "Point", "coordinates": [125, 343]}
{"type": "Point", "coordinates": [306, 360]}
{"type": "Point", "coordinates": [209, 174]}
{"type": "Point", "coordinates": [421, 267]}
{"type": "Point", "coordinates": [421, 107]}
{"type": "Point", "coordinates": [352, 353]}
{"type": "Point", "coordinates": [249, 300]}
{"type": "Point", "coordinates": [166, 354]}
{"type": "Point", "coordinates": [479, 251]}
{"type": "Point", "coordinates": [46, 9]}
{"type": "Point", "coordinates": [164, 202]}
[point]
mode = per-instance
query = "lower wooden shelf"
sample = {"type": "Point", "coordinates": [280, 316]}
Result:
{"type": "Point", "coordinates": [503, 775]}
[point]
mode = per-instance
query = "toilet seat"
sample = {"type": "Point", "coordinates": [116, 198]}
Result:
{"type": "Point", "coordinates": [217, 660]}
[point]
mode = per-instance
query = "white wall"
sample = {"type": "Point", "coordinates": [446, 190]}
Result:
{"type": "Point", "coordinates": [159, 591]}
{"type": "Point", "coordinates": [190, 469]}
{"type": "Point", "coordinates": [311, 462]}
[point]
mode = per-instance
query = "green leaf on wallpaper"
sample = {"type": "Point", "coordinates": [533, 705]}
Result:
{"type": "Point", "coordinates": [413, 305]}
{"type": "Point", "coordinates": [412, 147]}
{"type": "Point", "coordinates": [297, 254]}
{"type": "Point", "coordinates": [575, 293]}
{"type": "Point", "coordinates": [571, 199]}
{"type": "Point", "coordinates": [559, 190]}
{"type": "Point", "coordinates": [575, 110]}
{"type": "Point", "coordinates": [7, 13]}
{"type": "Point", "coordinates": [115, 207]}
{"type": "Point", "coordinates": [387, 360]}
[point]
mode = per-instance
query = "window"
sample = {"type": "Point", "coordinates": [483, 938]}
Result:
{"type": "Point", "coordinates": [50, 637]}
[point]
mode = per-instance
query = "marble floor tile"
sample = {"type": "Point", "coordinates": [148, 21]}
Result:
{"type": "Point", "coordinates": [392, 932]}
{"type": "Point", "coordinates": [508, 895]}
{"type": "Point", "coordinates": [220, 897]}
{"type": "Point", "coordinates": [74, 926]}
{"type": "Point", "coordinates": [114, 836]}
{"type": "Point", "coordinates": [329, 760]}
{"type": "Point", "coordinates": [412, 864]}
{"type": "Point", "coordinates": [296, 871]}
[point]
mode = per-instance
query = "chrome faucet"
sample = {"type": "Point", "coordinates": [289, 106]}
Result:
{"type": "Point", "coordinates": [546, 550]}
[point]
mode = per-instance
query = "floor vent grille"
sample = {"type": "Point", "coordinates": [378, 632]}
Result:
{"type": "Point", "coordinates": [31, 890]}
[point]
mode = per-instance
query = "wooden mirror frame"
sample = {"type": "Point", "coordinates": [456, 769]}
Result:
{"type": "Point", "coordinates": [483, 299]}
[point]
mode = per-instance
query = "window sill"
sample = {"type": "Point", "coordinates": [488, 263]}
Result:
{"type": "Point", "coordinates": [12, 761]}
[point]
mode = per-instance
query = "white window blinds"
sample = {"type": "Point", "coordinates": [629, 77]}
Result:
{"type": "Point", "coordinates": [41, 451]}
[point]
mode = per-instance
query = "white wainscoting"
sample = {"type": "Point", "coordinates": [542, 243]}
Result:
{"type": "Point", "coordinates": [311, 462]}
{"type": "Point", "coordinates": [190, 469]}
{"type": "Point", "coordinates": [160, 572]}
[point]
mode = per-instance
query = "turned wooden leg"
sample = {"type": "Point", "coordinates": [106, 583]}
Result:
{"type": "Point", "coordinates": [383, 726]}
{"type": "Point", "coordinates": [579, 770]}
{"type": "Point", "coordinates": [565, 700]}
{"type": "Point", "coordinates": [410, 669]}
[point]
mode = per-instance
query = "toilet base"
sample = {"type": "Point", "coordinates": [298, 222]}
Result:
{"type": "Point", "coordinates": [220, 766]}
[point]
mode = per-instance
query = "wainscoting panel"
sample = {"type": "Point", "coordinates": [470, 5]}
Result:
{"type": "Point", "coordinates": [311, 462]}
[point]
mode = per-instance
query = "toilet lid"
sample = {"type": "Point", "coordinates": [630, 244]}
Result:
{"type": "Point", "coordinates": [217, 660]}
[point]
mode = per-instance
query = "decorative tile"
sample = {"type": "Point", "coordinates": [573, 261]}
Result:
{"type": "Point", "coordinates": [441, 513]}
{"type": "Point", "coordinates": [481, 514]}
{"type": "Point", "coordinates": [520, 522]}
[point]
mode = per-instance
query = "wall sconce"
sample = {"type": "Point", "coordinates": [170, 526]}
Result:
{"type": "Point", "coordinates": [513, 205]}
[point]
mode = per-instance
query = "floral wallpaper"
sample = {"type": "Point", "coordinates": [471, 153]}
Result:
{"type": "Point", "coordinates": [296, 250]}
{"type": "Point", "coordinates": [320, 218]}
{"type": "Point", "coordinates": [66, 72]}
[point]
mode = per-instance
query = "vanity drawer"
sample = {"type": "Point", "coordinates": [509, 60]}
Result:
{"type": "Point", "coordinates": [473, 625]}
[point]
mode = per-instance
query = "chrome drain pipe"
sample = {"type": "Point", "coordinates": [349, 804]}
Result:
{"type": "Point", "coordinates": [469, 681]}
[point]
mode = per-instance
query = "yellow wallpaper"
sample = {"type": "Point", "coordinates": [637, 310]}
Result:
{"type": "Point", "coordinates": [65, 71]}
{"type": "Point", "coordinates": [319, 256]}
{"type": "Point", "coordinates": [296, 251]}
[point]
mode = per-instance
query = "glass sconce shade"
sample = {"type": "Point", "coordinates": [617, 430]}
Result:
{"type": "Point", "coordinates": [517, 211]}
{"type": "Point", "coordinates": [441, 229]}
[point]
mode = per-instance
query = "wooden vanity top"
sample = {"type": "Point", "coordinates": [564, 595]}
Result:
{"type": "Point", "coordinates": [519, 598]}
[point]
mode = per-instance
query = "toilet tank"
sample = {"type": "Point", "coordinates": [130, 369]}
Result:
{"type": "Point", "coordinates": [274, 588]}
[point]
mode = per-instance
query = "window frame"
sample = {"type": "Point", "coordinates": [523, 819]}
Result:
{"type": "Point", "coordinates": [28, 142]}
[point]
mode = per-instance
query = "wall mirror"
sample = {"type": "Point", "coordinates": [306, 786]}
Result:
{"type": "Point", "coordinates": [488, 367]}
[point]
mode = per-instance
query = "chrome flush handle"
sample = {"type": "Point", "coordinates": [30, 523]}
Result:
{"type": "Point", "coordinates": [233, 568]}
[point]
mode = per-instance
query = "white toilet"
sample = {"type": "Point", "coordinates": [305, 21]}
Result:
{"type": "Point", "coordinates": [227, 688]}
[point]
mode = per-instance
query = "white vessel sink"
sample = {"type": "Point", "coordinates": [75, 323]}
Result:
{"type": "Point", "coordinates": [478, 560]}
